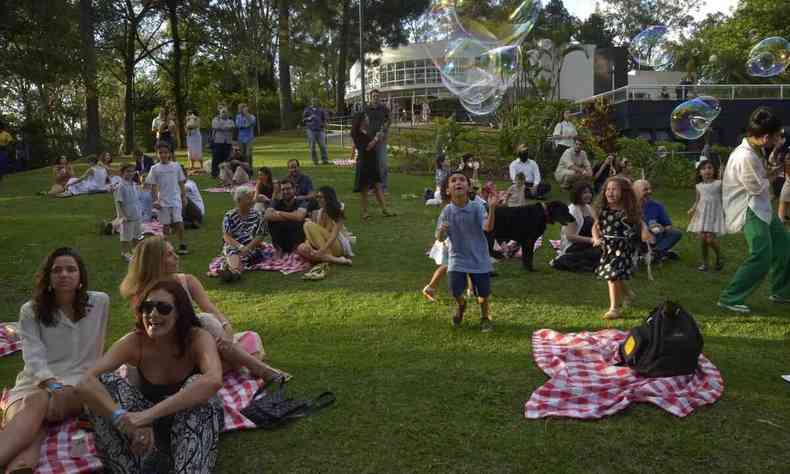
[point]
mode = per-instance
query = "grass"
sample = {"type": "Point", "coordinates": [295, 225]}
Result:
{"type": "Point", "coordinates": [414, 395]}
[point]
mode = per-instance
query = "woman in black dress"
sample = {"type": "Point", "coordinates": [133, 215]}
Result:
{"type": "Point", "coordinates": [367, 170]}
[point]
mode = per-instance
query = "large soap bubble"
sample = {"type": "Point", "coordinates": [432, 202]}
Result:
{"type": "Point", "coordinates": [650, 48]}
{"type": "Point", "coordinates": [691, 119]}
{"type": "Point", "coordinates": [770, 57]}
{"type": "Point", "coordinates": [479, 54]}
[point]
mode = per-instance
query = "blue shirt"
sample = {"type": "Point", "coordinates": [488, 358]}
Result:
{"type": "Point", "coordinates": [654, 212]}
{"type": "Point", "coordinates": [469, 247]}
{"type": "Point", "coordinates": [128, 194]}
{"type": "Point", "coordinates": [303, 185]}
{"type": "Point", "coordinates": [314, 118]}
{"type": "Point", "coordinates": [245, 126]}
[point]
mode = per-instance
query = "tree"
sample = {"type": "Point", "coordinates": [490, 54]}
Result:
{"type": "Point", "coordinates": [626, 18]}
{"type": "Point", "coordinates": [593, 30]}
{"type": "Point", "coordinates": [88, 42]}
{"type": "Point", "coordinates": [284, 64]}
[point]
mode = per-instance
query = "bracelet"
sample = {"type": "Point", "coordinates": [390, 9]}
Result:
{"type": "Point", "coordinates": [116, 415]}
{"type": "Point", "coordinates": [54, 386]}
{"type": "Point", "coordinates": [225, 324]}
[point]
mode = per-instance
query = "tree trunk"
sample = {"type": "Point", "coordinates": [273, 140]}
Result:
{"type": "Point", "coordinates": [93, 131]}
{"type": "Point", "coordinates": [129, 64]}
{"type": "Point", "coordinates": [284, 33]}
{"type": "Point", "coordinates": [178, 95]}
{"type": "Point", "coordinates": [342, 56]}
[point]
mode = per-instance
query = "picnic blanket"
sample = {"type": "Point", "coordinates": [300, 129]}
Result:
{"type": "Point", "coordinates": [68, 449]}
{"type": "Point", "coordinates": [287, 264]}
{"type": "Point", "coordinates": [585, 383]}
{"type": "Point", "coordinates": [9, 339]}
{"type": "Point", "coordinates": [512, 249]}
{"type": "Point", "coordinates": [228, 189]}
{"type": "Point", "coordinates": [345, 163]}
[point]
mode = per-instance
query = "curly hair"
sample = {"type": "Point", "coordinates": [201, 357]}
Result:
{"type": "Point", "coordinates": [44, 304]}
{"type": "Point", "coordinates": [578, 190]}
{"type": "Point", "coordinates": [627, 197]}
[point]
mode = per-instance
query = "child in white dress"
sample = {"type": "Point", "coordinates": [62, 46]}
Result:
{"type": "Point", "coordinates": [707, 214]}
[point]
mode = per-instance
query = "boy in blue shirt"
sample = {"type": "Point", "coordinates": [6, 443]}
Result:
{"type": "Point", "coordinates": [465, 223]}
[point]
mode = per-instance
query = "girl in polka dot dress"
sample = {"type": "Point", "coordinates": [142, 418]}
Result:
{"type": "Point", "coordinates": [616, 231]}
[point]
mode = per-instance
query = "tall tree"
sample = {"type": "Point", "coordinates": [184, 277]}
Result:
{"type": "Point", "coordinates": [88, 42]}
{"type": "Point", "coordinates": [593, 30]}
{"type": "Point", "coordinates": [284, 64]}
{"type": "Point", "coordinates": [626, 18]}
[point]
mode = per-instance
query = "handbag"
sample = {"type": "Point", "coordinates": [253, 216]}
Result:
{"type": "Point", "coordinates": [273, 410]}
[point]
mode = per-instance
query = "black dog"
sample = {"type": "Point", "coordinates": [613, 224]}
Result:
{"type": "Point", "coordinates": [526, 224]}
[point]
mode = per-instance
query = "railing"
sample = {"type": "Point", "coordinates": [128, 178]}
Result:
{"type": "Point", "coordinates": [658, 92]}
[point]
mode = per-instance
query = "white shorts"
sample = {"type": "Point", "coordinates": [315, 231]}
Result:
{"type": "Point", "coordinates": [130, 230]}
{"type": "Point", "coordinates": [170, 215]}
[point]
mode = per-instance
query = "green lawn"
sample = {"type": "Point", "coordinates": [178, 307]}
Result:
{"type": "Point", "coordinates": [413, 394]}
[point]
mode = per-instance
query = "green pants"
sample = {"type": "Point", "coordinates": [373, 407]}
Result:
{"type": "Point", "coordinates": [769, 250]}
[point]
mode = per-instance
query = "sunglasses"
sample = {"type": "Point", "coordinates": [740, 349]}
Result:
{"type": "Point", "coordinates": [147, 307]}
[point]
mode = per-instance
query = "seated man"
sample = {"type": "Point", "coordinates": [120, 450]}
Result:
{"type": "Point", "coordinates": [532, 181]}
{"type": "Point", "coordinates": [235, 171]}
{"type": "Point", "coordinates": [657, 220]}
{"type": "Point", "coordinates": [573, 166]}
{"type": "Point", "coordinates": [303, 185]}
{"type": "Point", "coordinates": [286, 218]}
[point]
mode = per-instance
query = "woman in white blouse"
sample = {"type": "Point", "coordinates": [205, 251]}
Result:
{"type": "Point", "coordinates": [62, 330]}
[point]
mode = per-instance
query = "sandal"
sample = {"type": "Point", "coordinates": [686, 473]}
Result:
{"type": "Point", "coordinates": [429, 293]}
{"type": "Point", "coordinates": [365, 217]}
{"type": "Point", "coordinates": [612, 314]}
{"type": "Point", "coordinates": [318, 272]}
{"type": "Point", "coordinates": [387, 213]}
{"type": "Point", "coordinates": [702, 268]}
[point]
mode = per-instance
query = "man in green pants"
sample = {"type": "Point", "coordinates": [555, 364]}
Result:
{"type": "Point", "coordinates": [747, 208]}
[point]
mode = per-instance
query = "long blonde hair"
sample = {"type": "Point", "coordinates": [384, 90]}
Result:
{"type": "Point", "coordinates": [147, 266]}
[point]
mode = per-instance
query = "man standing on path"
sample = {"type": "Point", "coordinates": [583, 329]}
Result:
{"type": "Point", "coordinates": [314, 119]}
{"type": "Point", "coordinates": [747, 207]}
{"type": "Point", "coordinates": [564, 133]}
{"type": "Point", "coordinates": [221, 138]}
{"type": "Point", "coordinates": [378, 126]}
{"type": "Point", "coordinates": [245, 123]}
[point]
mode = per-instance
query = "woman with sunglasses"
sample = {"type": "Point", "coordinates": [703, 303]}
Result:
{"type": "Point", "coordinates": [326, 237]}
{"type": "Point", "coordinates": [155, 259]}
{"type": "Point", "coordinates": [62, 329]}
{"type": "Point", "coordinates": [171, 419]}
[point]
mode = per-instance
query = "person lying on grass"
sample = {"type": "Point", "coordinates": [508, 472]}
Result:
{"type": "Point", "coordinates": [62, 329]}
{"type": "Point", "coordinates": [170, 420]}
{"type": "Point", "coordinates": [326, 238]}
{"type": "Point", "coordinates": [154, 259]}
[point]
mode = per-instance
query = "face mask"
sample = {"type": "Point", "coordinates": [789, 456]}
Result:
{"type": "Point", "coordinates": [523, 157]}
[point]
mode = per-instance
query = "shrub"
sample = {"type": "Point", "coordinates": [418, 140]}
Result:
{"type": "Point", "coordinates": [672, 170]}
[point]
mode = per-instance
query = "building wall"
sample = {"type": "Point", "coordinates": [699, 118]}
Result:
{"type": "Point", "coordinates": [576, 80]}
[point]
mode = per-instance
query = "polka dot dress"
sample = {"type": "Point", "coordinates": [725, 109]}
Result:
{"type": "Point", "coordinates": [619, 246]}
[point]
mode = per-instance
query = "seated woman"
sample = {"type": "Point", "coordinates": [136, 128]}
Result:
{"type": "Point", "coordinates": [62, 171]}
{"type": "Point", "coordinates": [95, 180]}
{"type": "Point", "coordinates": [576, 249]}
{"type": "Point", "coordinates": [171, 420]}
{"type": "Point", "coordinates": [62, 329]}
{"type": "Point", "coordinates": [441, 171]}
{"type": "Point", "coordinates": [265, 189]}
{"type": "Point", "coordinates": [155, 259]}
{"type": "Point", "coordinates": [326, 238]}
{"type": "Point", "coordinates": [243, 229]}
{"type": "Point", "coordinates": [235, 171]}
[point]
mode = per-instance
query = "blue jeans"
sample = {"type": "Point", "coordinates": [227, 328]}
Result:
{"type": "Point", "coordinates": [667, 239]}
{"type": "Point", "coordinates": [381, 157]}
{"type": "Point", "coordinates": [313, 137]}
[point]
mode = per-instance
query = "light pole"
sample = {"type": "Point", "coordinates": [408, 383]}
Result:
{"type": "Point", "coordinates": [362, 49]}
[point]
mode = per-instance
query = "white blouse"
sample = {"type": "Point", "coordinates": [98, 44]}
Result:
{"type": "Point", "coordinates": [63, 351]}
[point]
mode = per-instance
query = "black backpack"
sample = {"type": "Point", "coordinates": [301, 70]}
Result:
{"type": "Point", "coordinates": [668, 343]}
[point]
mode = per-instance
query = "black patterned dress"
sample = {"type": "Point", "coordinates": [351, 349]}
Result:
{"type": "Point", "coordinates": [619, 248]}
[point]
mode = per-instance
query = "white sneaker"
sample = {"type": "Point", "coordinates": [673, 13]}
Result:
{"type": "Point", "coordinates": [786, 378]}
{"type": "Point", "coordinates": [738, 308]}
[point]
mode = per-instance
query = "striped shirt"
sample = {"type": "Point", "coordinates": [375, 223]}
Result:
{"type": "Point", "coordinates": [244, 229]}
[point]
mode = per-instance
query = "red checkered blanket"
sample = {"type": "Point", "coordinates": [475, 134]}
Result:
{"type": "Point", "coordinates": [345, 163]}
{"type": "Point", "coordinates": [9, 340]}
{"type": "Point", "coordinates": [287, 264]}
{"type": "Point", "coordinates": [586, 383]}
{"type": "Point", "coordinates": [512, 249]}
{"type": "Point", "coordinates": [71, 450]}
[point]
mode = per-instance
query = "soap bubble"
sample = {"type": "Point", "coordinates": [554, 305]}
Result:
{"type": "Point", "coordinates": [691, 119]}
{"type": "Point", "coordinates": [651, 48]}
{"type": "Point", "coordinates": [770, 57]}
{"type": "Point", "coordinates": [484, 108]}
{"type": "Point", "coordinates": [498, 24]}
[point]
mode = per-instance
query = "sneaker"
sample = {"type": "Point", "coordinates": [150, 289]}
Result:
{"type": "Point", "coordinates": [738, 308]}
{"type": "Point", "coordinates": [779, 299]}
{"type": "Point", "coordinates": [182, 250]}
{"type": "Point", "coordinates": [719, 266]}
{"type": "Point", "coordinates": [702, 268]}
{"type": "Point", "coordinates": [459, 316]}
{"type": "Point", "coordinates": [671, 255]}
{"type": "Point", "coordinates": [786, 378]}
{"type": "Point", "coordinates": [486, 325]}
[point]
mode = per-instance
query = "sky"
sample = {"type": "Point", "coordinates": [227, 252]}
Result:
{"type": "Point", "coordinates": [583, 8]}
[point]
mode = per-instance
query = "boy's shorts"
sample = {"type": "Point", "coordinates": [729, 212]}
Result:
{"type": "Point", "coordinates": [481, 283]}
{"type": "Point", "coordinates": [170, 215]}
{"type": "Point", "coordinates": [130, 230]}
